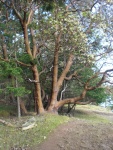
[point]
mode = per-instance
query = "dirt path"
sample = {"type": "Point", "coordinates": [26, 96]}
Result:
{"type": "Point", "coordinates": [80, 134]}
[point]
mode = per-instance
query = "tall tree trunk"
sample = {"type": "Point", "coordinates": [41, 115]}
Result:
{"type": "Point", "coordinates": [37, 89]}
{"type": "Point", "coordinates": [32, 54]}
{"type": "Point", "coordinates": [55, 89]}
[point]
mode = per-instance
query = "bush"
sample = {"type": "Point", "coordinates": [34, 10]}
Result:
{"type": "Point", "coordinates": [7, 110]}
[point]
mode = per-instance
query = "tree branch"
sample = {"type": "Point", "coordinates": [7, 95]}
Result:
{"type": "Point", "coordinates": [23, 64]}
{"type": "Point", "coordinates": [75, 10]}
{"type": "Point", "coordinates": [33, 81]}
{"type": "Point", "coordinates": [34, 44]}
{"type": "Point", "coordinates": [17, 14]}
{"type": "Point", "coordinates": [71, 100]}
{"type": "Point", "coordinates": [65, 71]}
{"type": "Point", "coordinates": [103, 80]}
{"type": "Point", "coordinates": [71, 76]}
{"type": "Point", "coordinates": [29, 17]}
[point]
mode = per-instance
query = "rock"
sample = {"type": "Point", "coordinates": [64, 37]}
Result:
{"type": "Point", "coordinates": [29, 124]}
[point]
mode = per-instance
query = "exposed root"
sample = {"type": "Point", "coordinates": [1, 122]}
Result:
{"type": "Point", "coordinates": [6, 123]}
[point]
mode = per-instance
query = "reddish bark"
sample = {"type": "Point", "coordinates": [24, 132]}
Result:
{"type": "Point", "coordinates": [37, 89]}
{"type": "Point", "coordinates": [32, 55]}
{"type": "Point", "coordinates": [58, 82]}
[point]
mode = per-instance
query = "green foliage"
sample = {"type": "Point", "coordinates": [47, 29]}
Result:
{"type": "Point", "coordinates": [72, 38]}
{"type": "Point", "coordinates": [25, 58]}
{"type": "Point", "coordinates": [34, 62]}
{"type": "Point", "coordinates": [49, 5]}
{"type": "Point", "coordinates": [99, 95]}
{"type": "Point", "coordinates": [19, 91]}
{"type": "Point", "coordinates": [85, 73]}
{"type": "Point", "coordinates": [9, 69]}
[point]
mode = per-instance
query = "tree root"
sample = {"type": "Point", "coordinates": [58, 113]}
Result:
{"type": "Point", "coordinates": [6, 123]}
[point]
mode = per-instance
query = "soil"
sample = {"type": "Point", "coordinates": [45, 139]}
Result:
{"type": "Point", "coordinates": [80, 134]}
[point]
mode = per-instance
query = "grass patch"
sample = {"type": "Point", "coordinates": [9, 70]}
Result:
{"type": "Point", "coordinates": [93, 108]}
{"type": "Point", "coordinates": [15, 137]}
{"type": "Point", "coordinates": [90, 117]}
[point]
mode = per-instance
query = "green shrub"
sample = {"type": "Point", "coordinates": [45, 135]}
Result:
{"type": "Point", "coordinates": [7, 110]}
{"type": "Point", "coordinates": [4, 113]}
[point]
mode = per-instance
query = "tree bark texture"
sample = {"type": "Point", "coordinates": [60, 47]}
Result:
{"type": "Point", "coordinates": [37, 89]}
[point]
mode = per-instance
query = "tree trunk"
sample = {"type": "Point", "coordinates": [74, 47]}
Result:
{"type": "Point", "coordinates": [4, 47]}
{"type": "Point", "coordinates": [57, 83]}
{"type": "Point", "coordinates": [37, 89]}
{"type": "Point", "coordinates": [23, 108]}
{"type": "Point", "coordinates": [55, 89]}
{"type": "Point", "coordinates": [34, 67]}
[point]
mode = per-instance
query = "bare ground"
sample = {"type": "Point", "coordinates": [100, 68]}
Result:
{"type": "Point", "coordinates": [80, 134]}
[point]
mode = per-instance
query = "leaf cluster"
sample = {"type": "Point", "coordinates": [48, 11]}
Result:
{"type": "Point", "coordinates": [98, 95]}
{"type": "Point", "coordinates": [49, 5]}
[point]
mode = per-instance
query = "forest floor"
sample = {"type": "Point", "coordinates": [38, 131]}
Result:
{"type": "Point", "coordinates": [88, 130]}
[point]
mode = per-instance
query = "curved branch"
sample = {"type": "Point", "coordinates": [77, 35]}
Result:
{"type": "Point", "coordinates": [71, 76]}
{"type": "Point", "coordinates": [17, 14]}
{"type": "Point", "coordinates": [23, 64]}
{"type": "Point", "coordinates": [29, 17]}
{"type": "Point", "coordinates": [71, 100]}
{"type": "Point", "coordinates": [103, 79]}
{"type": "Point", "coordinates": [65, 71]}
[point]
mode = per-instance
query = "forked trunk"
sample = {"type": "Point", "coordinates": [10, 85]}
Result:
{"type": "Point", "coordinates": [57, 83]}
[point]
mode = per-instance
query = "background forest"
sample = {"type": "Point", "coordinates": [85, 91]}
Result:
{"type": "Point", "coordinates": [54, 53]}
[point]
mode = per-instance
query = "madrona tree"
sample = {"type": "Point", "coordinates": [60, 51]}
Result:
{"type": "Point", "coordinates": [55, 39]}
